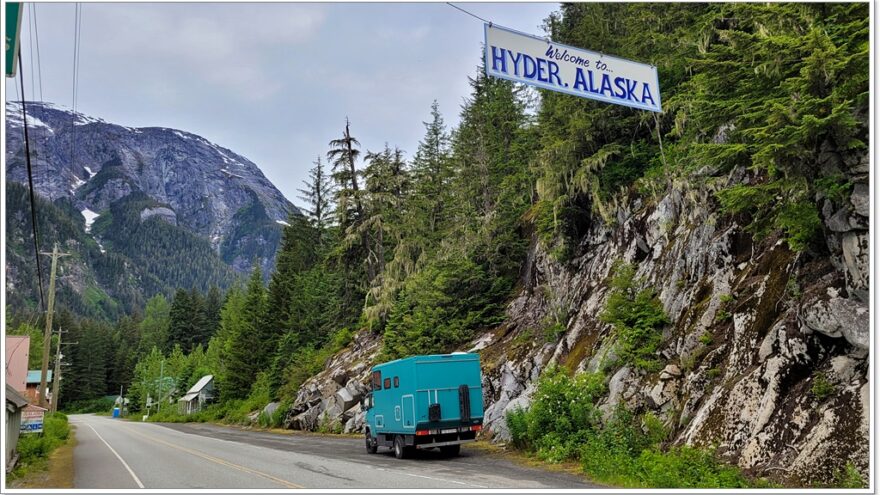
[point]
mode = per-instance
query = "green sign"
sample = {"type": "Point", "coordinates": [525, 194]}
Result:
{"type": "Point", "coordinates": [13, 30]}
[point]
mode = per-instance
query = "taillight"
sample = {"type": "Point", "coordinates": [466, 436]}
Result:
{"type": "Point", "coordinates": [476, 427]}
{"type": "Point", "coordinates": [421, 433]}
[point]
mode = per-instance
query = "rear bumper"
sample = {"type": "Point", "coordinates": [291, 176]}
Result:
{"type": "Point", "coordinates": [443, 444]}
{"type": "Point", "coordinates": [426, 441]}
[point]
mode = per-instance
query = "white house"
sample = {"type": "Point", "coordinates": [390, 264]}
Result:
{"type": "Point", "coordinates": [197, 396]}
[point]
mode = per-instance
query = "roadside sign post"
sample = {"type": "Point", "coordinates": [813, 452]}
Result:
{"type": "Point", "coordinates": [13, 32]}
{"type": "Point", "coordinates": [32, 419]}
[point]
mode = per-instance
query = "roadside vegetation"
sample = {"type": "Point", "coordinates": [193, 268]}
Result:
{"type": "Point", "coordinates": [34, 448]}
{"type": "Point", "coordinates": [620, 448]}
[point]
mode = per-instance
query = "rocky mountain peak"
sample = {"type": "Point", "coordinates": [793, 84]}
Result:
{"type": "Point", "coordinates": [210, 190]}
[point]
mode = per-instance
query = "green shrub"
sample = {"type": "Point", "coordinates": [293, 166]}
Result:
{"type": "Point", "coordinates": [723, 315]}
{"type": "Point", "coordinates": [638, 318]}
{"type": "Point", "coordinates": [553, 332]}
{"type": "Point", "coordinates": [706, 338]}
{"type": "Point", "coordinates": [563, 423]}
{"type": "Point", "coordinates": [776, 205]}
{"type": "Point", "coordinates": [822, 387]}
{"type": "Point", "coordinates": [849, 477]}
{"type": "Point", "coordinates": [327, 425]}
{"type": "Point", "coordinates": [34, 448]}
{"type": "Point", "coordinates": [726, 298]}
{"type": "Point", "coordinates": [517, 425]}
{"type": "Point", "coordinates": [685, 467]}
{"type": "Point", "coordinates": [836, 188]}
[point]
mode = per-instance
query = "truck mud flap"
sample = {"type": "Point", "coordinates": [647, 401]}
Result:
{"type": "Point", "coordinates": [464, 402]}
{"type": "Point", "coordinates": [434, 412]}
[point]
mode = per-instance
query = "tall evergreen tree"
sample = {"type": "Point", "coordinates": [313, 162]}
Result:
{"type": "Point", "coordinates": [386, 181]}
{"type": "Point", "coordinates": [298, 252]}
{"type": "Point", "coordinates": [343, 155]}
{"type": "Point", "coordinates": [154, 325]}
{"type": "Point", "coordinates": [432, 170]}
{"type": "Point", "coordinates": [213, 305]}
{"type": "Point", "coordinates": [249, 350]}
{"type": "Point", "coordinates": [317, 193]}
{"type": "Point", "coordinates": [179, 318]}
{"type": "Point", "coordinates": [86, 378]}
{"type": "Point", "coordinates": [124, 352]}
{"type": "Point", "coordinates": [200, 327]}
{"type": "Point", "coordinates": [188, 324]}
{"type": "Point", "coordinates": [349, 210]}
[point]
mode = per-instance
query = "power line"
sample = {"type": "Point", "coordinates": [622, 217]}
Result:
{"type": "Point", "coordinates": [468, 13]}
{"type": "Point", "coordinates": [39, 60]}
{"type": "Point", "coordinates": [76, 37]}
{"type": "Point", "coordinates": [31, 47]}
{"type": "Point", "coordinates": [27, 152]}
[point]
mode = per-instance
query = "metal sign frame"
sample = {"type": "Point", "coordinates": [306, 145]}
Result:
{"type": "Point", "coordinates": [13, 24]}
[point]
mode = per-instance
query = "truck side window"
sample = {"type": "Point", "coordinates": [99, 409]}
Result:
{"type": "Point", "coordinates": [388, 383]}
{"type": "Point", "coordinates": [396, 382]}
{"type": "Point", "coordinates": [377, 380]}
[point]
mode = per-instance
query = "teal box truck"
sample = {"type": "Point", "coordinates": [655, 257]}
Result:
{"type": "Point", "coordinates": [424, 402]}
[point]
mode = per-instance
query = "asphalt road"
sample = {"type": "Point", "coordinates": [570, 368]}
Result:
{"type": "Point", "coordinates": [126, 454]}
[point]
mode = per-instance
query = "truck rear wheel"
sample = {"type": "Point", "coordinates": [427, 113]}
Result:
{"type": "Point", "coordinates": [372, 444]}
{"type": "Point", "coordinates": [451, 450]}
{"type": "Point", "coordinates": [401, 451]}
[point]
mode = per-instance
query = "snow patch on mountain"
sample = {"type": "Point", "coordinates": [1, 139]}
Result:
{"type": "Point", "coordinates": [90, 217]}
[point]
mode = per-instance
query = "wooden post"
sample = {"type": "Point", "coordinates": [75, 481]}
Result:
{"type": "Point", "coordinates": [47, 334]}
{"type": "Point", "coordinates": [56, 375]}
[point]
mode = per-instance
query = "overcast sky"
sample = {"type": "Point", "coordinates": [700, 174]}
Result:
{"type": "Point", "coordinates": [272, 82]}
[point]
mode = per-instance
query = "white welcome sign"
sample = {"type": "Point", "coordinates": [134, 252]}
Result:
{"type": "Point", "coordinates": [545, 64]}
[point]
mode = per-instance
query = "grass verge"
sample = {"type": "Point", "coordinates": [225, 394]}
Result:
{"type": "Point", "coordinates": [45, 459]}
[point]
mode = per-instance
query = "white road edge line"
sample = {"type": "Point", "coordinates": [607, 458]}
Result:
{"type": "Point", "coordinates": [441, 479]}
{"type": "Point", "coordinates": [430, 477]}
{"type": "Point", "coordinates": [136, 480]}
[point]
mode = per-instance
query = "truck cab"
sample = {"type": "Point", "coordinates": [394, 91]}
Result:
{"type": "Point", "coordinates": [424, 402]}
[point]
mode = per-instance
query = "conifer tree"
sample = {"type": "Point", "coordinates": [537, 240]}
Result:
{"type": "Point", "coordinates": [317, 193]}
{"type": "Point", "coordinates": [349, 210]}
{"type": "Point", "coordinates": [343, 155]}
{"type": "Point", "coordinates": [298, 253]}
{"type": "Point", "coordinates": [154, 325]}
{"type": "Point", "coordinates": [248, 351]}
{"type": "Point", "coordinates": [432, 172]}
{"type": "Point", "coordinates": [213, 305]}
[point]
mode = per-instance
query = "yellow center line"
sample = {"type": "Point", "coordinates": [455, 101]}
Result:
{"type": "Point", "coordinates": [217, 460]}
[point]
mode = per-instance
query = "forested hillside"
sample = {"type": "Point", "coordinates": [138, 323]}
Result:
{"type": "Point", "coordinates": [693, 284]}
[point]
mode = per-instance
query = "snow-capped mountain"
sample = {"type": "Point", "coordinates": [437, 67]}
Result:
{"type": "Point", "coordinates": [209, 190]}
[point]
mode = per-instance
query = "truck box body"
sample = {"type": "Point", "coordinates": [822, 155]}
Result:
{"type": "Point", "coordinates": [429, 400]}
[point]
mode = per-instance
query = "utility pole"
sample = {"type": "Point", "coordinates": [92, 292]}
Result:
{"type": "Point", "coordinates": [161, 384]}
{"type": "Point", "coordinates": [56, 374]}
{"type": "Point", "coordinates": [47, 334]}
{"type": "Point", "coordinates": [56, 378]}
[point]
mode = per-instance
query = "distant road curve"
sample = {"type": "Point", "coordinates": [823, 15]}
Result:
{"type": "Point", "coordinates": [111, 453]}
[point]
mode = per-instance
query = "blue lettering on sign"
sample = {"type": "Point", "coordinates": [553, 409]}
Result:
{"type": "Point", "coordinates": [496, 57]}
{"type": "Point", "coordinates": [594, 78]}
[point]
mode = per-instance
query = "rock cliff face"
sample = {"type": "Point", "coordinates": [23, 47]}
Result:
{"type": "Point", "coordinates": [754, 327]}
{"type": "Point", "coordinates": [205, 188]}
